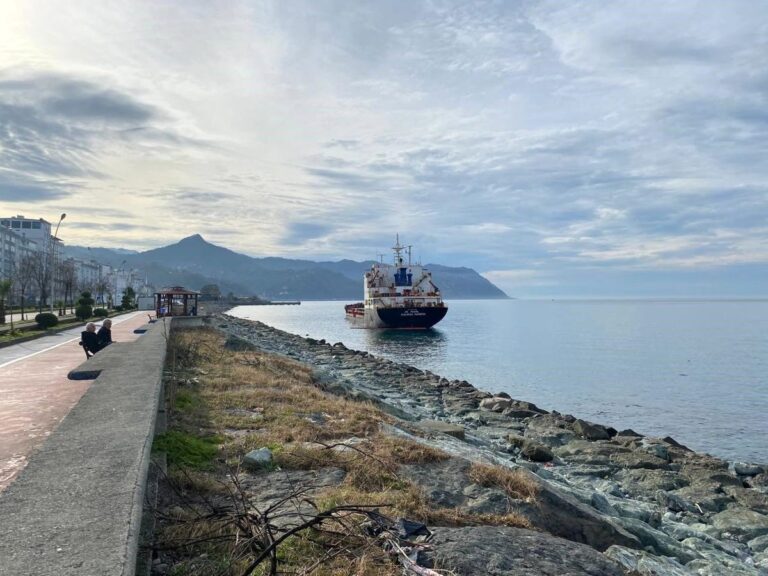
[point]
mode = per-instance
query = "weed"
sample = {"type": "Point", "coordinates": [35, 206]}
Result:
{"type": "Point", "coordinates": [184, 449]}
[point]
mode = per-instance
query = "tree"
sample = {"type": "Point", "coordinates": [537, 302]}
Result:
{"type": "Point", "coordinates": [25, 274]}
{"type": "Point", "coordinates": [5, 291]}
{"type": "Point", "coordinates": [41, 275]}
{"type": "Point", "coordinates": [84, 309]}
{"type": "Point", "coordinates": [210, 292]}
{"type": "Point", "coordinates": [128, 298]}
{"type": "Point", "coordinates": [68, 276]}
{"type": "Point", "coordinates": [100, 288]}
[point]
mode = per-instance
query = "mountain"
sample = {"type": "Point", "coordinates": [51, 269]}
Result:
{"type": "Point", "coordinates": [194, 262]}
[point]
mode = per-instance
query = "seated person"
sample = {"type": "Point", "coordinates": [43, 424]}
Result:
{"type": "Point", "coordinates": [105, 334]}
{"type": "Point", "coordinates": [89, 340]}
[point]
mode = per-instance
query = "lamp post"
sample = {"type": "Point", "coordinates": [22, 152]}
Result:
{"type": "Point", "coordinates": [53, 259]}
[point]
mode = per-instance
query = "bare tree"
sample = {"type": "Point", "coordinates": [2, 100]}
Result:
{"type": "Point", "coordinates": [5, 292]}
{"type": "Point", "coordinates": [41, 276]}
{"type": "Point", "coordinates": [100, 288]}
{"type": "Point", "coordinates": [68, 276]}
{"type": "Point", "coordinates": [25, 274]}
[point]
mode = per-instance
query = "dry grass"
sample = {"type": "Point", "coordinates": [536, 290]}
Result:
{"type": "Point", "coordinates": [409, 501]}
{"type": "Point", "coordinates": [515, 483]}
{"type": "Point", "coordinates": [250, 400]}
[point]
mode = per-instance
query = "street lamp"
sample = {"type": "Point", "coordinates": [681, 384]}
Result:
{"type": "Point", "coordinates": [53, 257]}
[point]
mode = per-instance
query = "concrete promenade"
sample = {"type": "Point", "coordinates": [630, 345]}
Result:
{"type": "Point", "coordinates": [35, 394]}
{"type": "Point", "coordinates": [76, 508]}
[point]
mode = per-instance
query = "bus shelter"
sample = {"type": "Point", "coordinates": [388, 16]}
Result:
{"type": "Point", "coordinates": [176, 301]}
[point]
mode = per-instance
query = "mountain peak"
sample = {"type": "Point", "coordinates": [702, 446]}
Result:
{"type": "Point", "coordinates": [194, 239]}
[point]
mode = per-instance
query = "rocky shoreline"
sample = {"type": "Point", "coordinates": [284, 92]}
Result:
{"type": "Point", "coordinates": [649, 505]}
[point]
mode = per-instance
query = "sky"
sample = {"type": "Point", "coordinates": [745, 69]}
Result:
{"type": "Point", "coordinates": [585, 149]}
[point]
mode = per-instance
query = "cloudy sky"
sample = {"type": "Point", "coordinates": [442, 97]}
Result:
{"type": "Point", "coordinates": [561, 148]}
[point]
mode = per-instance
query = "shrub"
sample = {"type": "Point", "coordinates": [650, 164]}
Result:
{"type": "Point", "coordinates": [85, 299]}
{"type": "Point", "coordinates": [46, 320]}
{"type": "Point", "coordinates": [101, 312]}
{"type": "Point", "coordinates": [118, 308]}
{"type": "Point", "coordinates": [83, 312]}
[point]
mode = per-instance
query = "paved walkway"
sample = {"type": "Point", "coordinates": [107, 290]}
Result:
{"type": "Point", "coordinates": [35, 393]}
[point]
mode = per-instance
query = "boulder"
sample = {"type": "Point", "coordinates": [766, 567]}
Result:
{"type": "Point", "coordinates": [536, 452]}
{"type": "Point", "coordinates": [705, 567]}
{"type": "Point", "coordinates": [657, 540]}
{"type": "Point", "coordinates": [590, 431]}
{"type": "Point", "coordinates": [601, 503]}
{"type": "Point", "coordinates": [447, 485]}
{"type": "Point", "coordinates": [742, 524]}
{"type": "Point", "coordinates": [759, 482]}
{"type": "Point", "coordinates": [638, 459]}
{"type": "Point", "coordinates": [629, 433]}
{"type": "Point", "coordinates": [495, 404]}
{"type": "Point", "coordinates": [674, 502]}
{"type": "Point", "coordinates": [746, 469]}
{"type": "Point", "coordinates": [563, 515]}
{"type": "Point", "coordinates": [759, 544]}
{"type": "Point", "coordinates": [504, 551]}
{"type": "Point", "coordinates": [641, 563]}
{"type": "Point", "coordinates": [705, 497]}
{"type": "Point", "coordinates": [258, 459]}
{"type": "Point", "coordinates": [531, 449]}
{"type": "Point", "coordinates": [746, 498]}
{"type": "Point", "coordinates": [440, 427]}
{"type": "Point", "coordinates": [761, 561]}
{"type": "Point", "coordinates": [656, 449]}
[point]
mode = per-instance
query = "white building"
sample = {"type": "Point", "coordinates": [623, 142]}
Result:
{"type": "Point", "coordinates": [13, 247]}
{"type": "Point", "coordinates": [39, 231]}
{"type": "Point", "coordinates": [88, 273]}
{"type": "Point", "coordinates": [37, 238]}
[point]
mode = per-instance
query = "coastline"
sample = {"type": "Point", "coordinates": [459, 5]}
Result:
{"type": "Point", "coordinates": [710, 516]}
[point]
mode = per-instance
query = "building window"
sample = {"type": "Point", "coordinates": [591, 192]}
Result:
{"type": "Point", "coordinates": [26, 225]}
{"type": "Point", "coordinates": [6, 223]}
{"type": "Point", "coordinates": [36, 225]}
{"type": "Point", "coordinates": [15, 224]}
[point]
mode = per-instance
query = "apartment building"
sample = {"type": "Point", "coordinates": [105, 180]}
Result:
{"type": "Point", "coordinates": [38, 230]}
{"type": "Point", "coordinates": [13, 247]}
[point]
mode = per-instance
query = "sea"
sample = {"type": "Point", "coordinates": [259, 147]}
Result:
{"type": "Point", "coordinates": [693, 370]}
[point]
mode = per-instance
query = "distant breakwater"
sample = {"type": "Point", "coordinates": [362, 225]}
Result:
{"type": "Point", "coordinates": [708, 514]}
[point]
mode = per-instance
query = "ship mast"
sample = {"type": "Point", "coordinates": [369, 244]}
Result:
{"type": "Point", "coordinates": [398, 249]}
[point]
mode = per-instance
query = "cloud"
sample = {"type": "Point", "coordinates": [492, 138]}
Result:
{"type": "Point", "coordinates": [574, 140]}
{"type": "Point", "coordinates": [11, 190]}
{"type": "Point", "coordinates": [302, 232]}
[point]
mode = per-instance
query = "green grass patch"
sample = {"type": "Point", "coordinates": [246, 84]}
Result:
{"type": "Point", "coordinates": [186, 400]}
{"type": "Point", "coordinates": [187, 450]}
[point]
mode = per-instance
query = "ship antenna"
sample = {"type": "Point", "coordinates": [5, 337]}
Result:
{"type": "Point", "coordinates": [409, 254]}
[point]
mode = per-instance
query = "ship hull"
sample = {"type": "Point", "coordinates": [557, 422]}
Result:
{"type": "Point", "coordinates": [411, 318]}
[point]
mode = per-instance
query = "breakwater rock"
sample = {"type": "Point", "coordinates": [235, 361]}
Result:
{"type": "Point", "coordinates": [648, 505]}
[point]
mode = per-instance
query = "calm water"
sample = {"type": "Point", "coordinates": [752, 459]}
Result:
{"type": "Point", "coordinates": [697, 371]}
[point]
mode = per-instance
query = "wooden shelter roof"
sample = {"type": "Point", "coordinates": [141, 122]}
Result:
{"type": "Point", "coordinates": [176, 291]}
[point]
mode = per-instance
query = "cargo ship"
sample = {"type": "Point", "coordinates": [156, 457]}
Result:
{"type": "Point", "coordinates": [399, 295]}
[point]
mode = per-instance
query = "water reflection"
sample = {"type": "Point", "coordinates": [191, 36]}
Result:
{"type": "Point", "coordinates": [409, 346]}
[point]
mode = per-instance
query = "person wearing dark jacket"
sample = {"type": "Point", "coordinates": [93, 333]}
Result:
{"type": "Point", "coordinates": [89, 340]}
{"type": "Point", "coordinates": [105, 334]}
